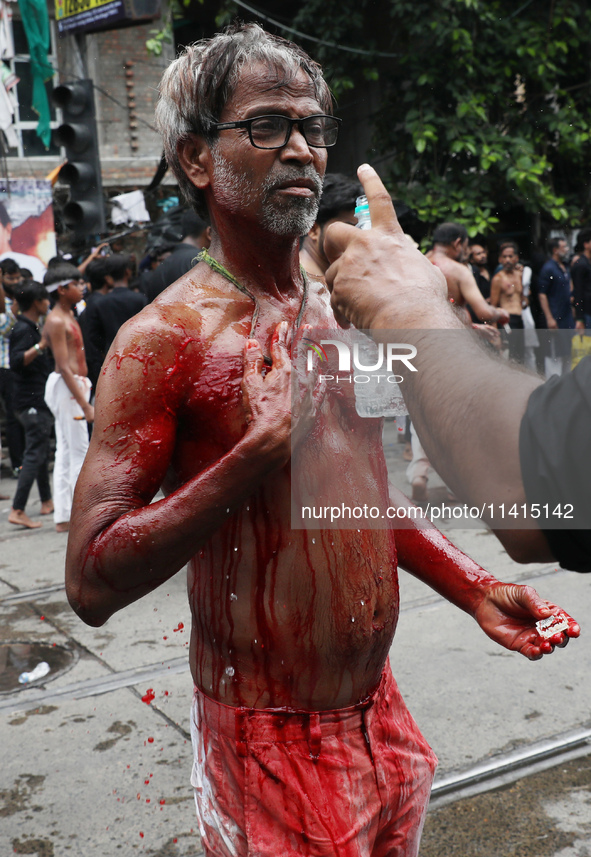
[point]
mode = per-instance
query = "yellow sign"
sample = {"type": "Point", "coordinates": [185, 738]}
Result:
{"type": "Point", "coordinates": [87, 15]}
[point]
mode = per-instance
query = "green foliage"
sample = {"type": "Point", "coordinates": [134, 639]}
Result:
{"type": "Point", "coordinates": [164, 34]}
{"type": "Point", "coordinates": [486, 105]}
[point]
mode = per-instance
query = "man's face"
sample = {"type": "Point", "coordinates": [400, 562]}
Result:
{"type": "Point", "coordinates": [13, 281]}
{"type": "Point", "coordinates": [508, 258]}
{"type": "Point", "coordinates": [42, 306]}
{"type": "Point", "coordinates": [279, 188]}
{"type": "Point", "coordinates": [74, 291]}
{"type": "Point", "coordinates": [478, 255]}
{"type": "Point", "coordinates": [461, 250]}
{"type": "Point", "coordinates": [562, 250]}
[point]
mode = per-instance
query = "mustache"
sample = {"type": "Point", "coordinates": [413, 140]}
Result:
{"type": "Point", "coordinates": [286, 174]}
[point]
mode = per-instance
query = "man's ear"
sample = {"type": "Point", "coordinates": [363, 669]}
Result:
{"type": "Point", "coordinates": [194, 156]}
{"type": "Point", "coordinates": [314, 234]}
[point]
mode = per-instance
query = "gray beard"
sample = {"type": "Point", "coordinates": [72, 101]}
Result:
{"type": "Point", "coordinates": [293, 216]}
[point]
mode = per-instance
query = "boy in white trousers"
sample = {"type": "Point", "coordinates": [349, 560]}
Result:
{"type": "Point", "coordinates": [67, 392]}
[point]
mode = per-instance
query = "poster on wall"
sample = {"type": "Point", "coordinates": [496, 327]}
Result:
{"type": "Point", "coordinates": [27, 228]}
{"type": "Point", "coordinates": [92, 16]}
{"type": "Point", "coordinates": [87, 15]}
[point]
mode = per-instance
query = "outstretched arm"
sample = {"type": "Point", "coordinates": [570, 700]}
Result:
{"type": "Point", "coordinates": [456, 383]}
{"type": "Point", "coordinates": [507, 613]}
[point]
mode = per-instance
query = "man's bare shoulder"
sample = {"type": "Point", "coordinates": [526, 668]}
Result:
{"type": "Point", "coordinates": [450, 267]}
{"type": "Point", "coordinates": [55, 322]}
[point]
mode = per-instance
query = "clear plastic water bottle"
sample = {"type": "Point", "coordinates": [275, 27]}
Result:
{"type": "Point", "coordinates": [362, 213]}
{"type": "Point", "coordinates": [375, 395]}
{"type": "Point", "coordinates": [40, 671]}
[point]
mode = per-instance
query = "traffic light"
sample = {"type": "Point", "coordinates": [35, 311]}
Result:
{"type": "Point", "coordinates": [85, 211]}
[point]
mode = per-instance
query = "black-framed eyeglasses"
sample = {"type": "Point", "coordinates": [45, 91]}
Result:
{"type": "Point", "coordinates": [273, 132]}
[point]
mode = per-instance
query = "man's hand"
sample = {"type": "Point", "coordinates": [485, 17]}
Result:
{"type": "Point", "coordinates": [267, 395]}
{"type": "Point", "coordinates": [377, 277]}
{"type": "Point", "coordinates": [508, 614]}
{"type": "Point", "coordinates": [88, 411]}
{"type": "Point", "coordinates": [489, 334]}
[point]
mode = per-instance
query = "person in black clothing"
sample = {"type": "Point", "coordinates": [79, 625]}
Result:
{"type": "Point", "coordinates": [31, 365]}
{"type": "Point", "coordinates": [116, 307]}
{"type": "Point", "coordinates": [101, 282]}
{"type": "Point", "coordinates": [196, 236]}
{"type": "Point", "coordinates": [478, 265]}
{"type": "Point", "coordinates": [581, 277]}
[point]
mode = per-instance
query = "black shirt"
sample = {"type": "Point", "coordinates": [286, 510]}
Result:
{"type": "Point", "coordinates": [174, 266]}
{"type": "Point", "coordinates": [109, 313]}
{"type": "Point", "coordinates": [29, 381]}
{"type": "Point", "coordinates": [94, 357]}
{"type": "Point", "coordinates": [581, 276]}
{"type": "Point", "coordinates": [555, 454]}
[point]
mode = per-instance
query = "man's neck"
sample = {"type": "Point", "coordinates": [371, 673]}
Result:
{"type": "Point", "coordinates": [266, 265]}
{"type": "Point", "coordinates": [64, 306]}
{"type": "Point", "coordinates": [587, 252]}
{"type": "Point", "coordinates": [311, 260]}
{"type": "Point", "coordinates": [445, 250]}
{"type": "Point", "coordinates": [32, 314]}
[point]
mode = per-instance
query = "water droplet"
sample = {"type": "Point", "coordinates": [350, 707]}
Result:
{"type": "Point", "coordinates": [235, 549]}
{"type": "Point", "coordinates": [228, 511]}
{"type": "Point", "coordinates": [230, 671]}
{"type": "Point", "coordinates": [313, 541]}
{"type": "Point", "coordinates": [362, 603]}
{"type": "Point", "coordinates": [352, 618]}
{"type": "Point", "coordinates": [233, 596]}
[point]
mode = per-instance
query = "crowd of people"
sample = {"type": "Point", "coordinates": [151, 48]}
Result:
{"type": "Point", "coordinates": [55, 332]}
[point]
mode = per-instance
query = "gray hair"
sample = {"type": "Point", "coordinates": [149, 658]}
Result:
{"type": "Point", "coordinates": [195, 88]}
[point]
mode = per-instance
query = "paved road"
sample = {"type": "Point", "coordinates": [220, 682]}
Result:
{"type": "Point", "coordinates": [96, 762]}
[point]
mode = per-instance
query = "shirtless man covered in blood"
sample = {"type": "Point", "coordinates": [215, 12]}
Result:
{"type": "Point", "coordinates": [302, 743]}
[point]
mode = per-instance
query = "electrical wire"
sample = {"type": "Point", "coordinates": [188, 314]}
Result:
{"type": "Point", "coordinates": [310, 38]}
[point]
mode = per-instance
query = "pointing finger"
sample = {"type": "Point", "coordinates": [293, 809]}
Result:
{"type": "Point", "coordinates": [381, 208]}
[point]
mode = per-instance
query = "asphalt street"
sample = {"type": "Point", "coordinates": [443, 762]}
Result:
{"type": "Point", "coordinates": [96, 756]}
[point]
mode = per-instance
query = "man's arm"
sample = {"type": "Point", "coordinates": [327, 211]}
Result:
{"type": "Point", "coordinates": [495, 290]}
{"type": "Point", "coordinates": [121, 545]}
{"type": "Point", "coordinates": [466, 405]}
{"type": "Point", "coordinates": [551, 322]}
{"type": "Point", "coordinates": [544, 283]}
{"type": "Point", "coordinates": [55, 331]}
{"type": "Point", "coordinates": [472, 295]}
{"type": "Point", "coordinates": [24, 347]}
{"type": "Point", "coordinates": [507, 613]}
{"type": "Point", "coordinates": [579, 275]}
{"type": "Point", "coordinates": [7, 320]}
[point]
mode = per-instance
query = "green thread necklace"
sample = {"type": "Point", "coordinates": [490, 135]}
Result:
{"type": "Point", "coordinates": [216, 266]}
